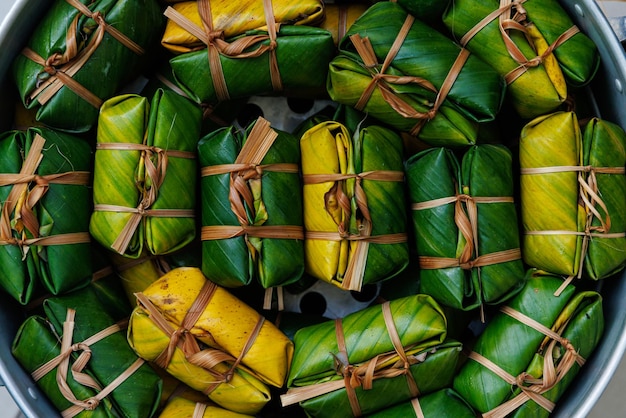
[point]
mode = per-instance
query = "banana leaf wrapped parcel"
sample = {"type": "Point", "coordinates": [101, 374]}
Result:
{"type": "Point", "coordinates": [468, 255]}
{"type": "Point", "coordinates": [183, 407]}
{"type": "Point", "coordinates": [46, 204]}
{"type": "Point", "coordinates": [531, 350]}
{"type": "Point", "coordinates": [252, 227]}
{"type": "Point", "coordinates": [106, 374]}
{"type": "Point", "coordinates": [442, 403]}
{"type": "Point", "coordinates": [191, 23]}
{"type": "Point", "coordinates": [221, 321]}
{"type": "Point", "coordinates": [573, 195]}
{"type": "Point", "coordinates": [371, 358]}
{"type": "Point", "coordinates": [144, 175]}
{"type": "Point", "coordinates": [535, 46]}
{"type": "Point", "coordinates": [289, 60]}
{"type": "Point", "coordinates": [80, 54]}
{"type": "Point", "coordinates": [354, 204]}
{"type": "Point", "coordinates": [408, 75]}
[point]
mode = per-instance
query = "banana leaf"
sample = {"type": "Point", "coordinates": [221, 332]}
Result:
{"type": "Point", "coordinates": [34, 345]}
{"type": "Point", "coordinates": [68, 39]}
{"type": "Point", "coordinates": [136, 396]}
{"type": "Point", "coordinates": [339, 17]}
{"type": "Point", "coordinates": [534, 88]}
{"type": "Point", "coordinates": [443, 403]}
{"type": "Point", "coordinates": [274, 204]}
{"type": "Point", "coordinates": [604, 145]}
{"type": "Point", "coordinates": [231, 19]}
{"type": "Point", "coordinates": [225, 323]}
{"type": "Point", "coordinates": [144, 187]}
{"type": "Point", "coordinates": [320, 365]}
{"type": "Point", "coordinates": [567, 230]}
{"type": "Point", "coordinates": [342, 205]}
{"type": "Point", "coordinates": [45, 218]}
{"type": "Point", "coordinates": [181, 407]}
{"type": "Point", "coordinates": [431, 369]}
{"type": "Point", "coordinates": [242, 393]}
{"type": "Point", "coordinates": [418, 93]}
{"type": "Point", "coordinates": [546, 364]}
{"type": "Point", "coordinates": [428, 11]}
{"type": "Point", "coordinates": [302, 57]}
{"type": "Point", "coordinates": [468, 252]}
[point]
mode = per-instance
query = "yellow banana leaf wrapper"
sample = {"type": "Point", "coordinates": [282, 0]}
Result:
{"type": "Point", "coordinates": [462, 211]}
{"type": "Point", "coordinates": [408, 75]}
{"type": "Point", "coordinates": [224, 322]}
{"type": "Point", "coordinates": [206, 370]}
{"type": "Point", "coordinates": [573, 195]}
{"type": "Point", "coordinates": [287, 60]}
{"type": "Point", "coordinates": [443, 403]}
{"type": "Point", "coordinates": [354, 205]}
{"type": "Point", "coordinates": [251, 206]}
{"type": "Point", "coordinates": [371, 358]}
{"type": "Point", "coordinates": [531, 350]}
{"type": "Point", "coordinates": [181, 407]}
{"type": "Point", "coordinates": [82, 53]}
{"type": "Point", "coordinates": [144, 174]}
{"type": "Point", "coordinates": [534, 45]}
{"type": "Point", "coordinates": [44, 224]}
{"type": "Point", "coordinates": [226, 19]}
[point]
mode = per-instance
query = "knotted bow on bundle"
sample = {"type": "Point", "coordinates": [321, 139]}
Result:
{"type": "Point", "coordinates": [62, 365]}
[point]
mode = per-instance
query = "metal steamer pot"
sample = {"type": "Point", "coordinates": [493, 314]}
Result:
{"type": "Point", "coordinates": [608, 92]}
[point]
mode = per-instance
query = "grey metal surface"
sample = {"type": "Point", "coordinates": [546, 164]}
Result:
{"type": "Point", "coordinates": [609, 88]}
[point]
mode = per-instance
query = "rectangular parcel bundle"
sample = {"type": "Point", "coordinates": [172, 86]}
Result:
{"type": "Point", "coordinates": [408, 75]}
{"type": "Point", "coordinates": [354, 204]}
{"type": "Point", "coordinates": [210, 339]}
{"type": "Point", "coordinates": [251, 206]}
{"type": "Point", "coordinates": [80, 54]}
{"type": "Point", "coordinates": [144, 187]}
{"type": "Point", "coordinates": [46, 204]}
{"type": "Point", "coordinates": [372, 358]}
{"type": "Point", "coordinates": [469, 255]}
{"type": "Point", "coordinates": [81, 359]}
{"type": "Point", "coordinates": [573, 195]}
{"type": "Point", "coordinates": [531, 350]}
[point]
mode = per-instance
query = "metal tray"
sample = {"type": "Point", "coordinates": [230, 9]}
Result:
{"type": "Point", "coordinates": [609, 93]}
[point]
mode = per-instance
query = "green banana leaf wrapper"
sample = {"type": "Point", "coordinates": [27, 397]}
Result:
{"type": "Point", "coordinates": [451, 249]}
{"type": "Point", "coordinates": [541, 87]}
{"type": "Point", "coordinates": [302, 55]}
{"type": "Point", "coordinates": [420, 68]}
{"type": "Point", "coordinates": [433, 369]}
{"type": "Point", "coordinates": [31, 261]}
{"type": "Point", "coordinates": [33, 346]}
{"type": "Point", "coordinates": [139, 394]}
{"type": "Point", "coordinates": [429, 11]}
{"type": "Point", "coordinates": [442, 403]}
{"type": "Point", "coordinates": [344, 160]}
{"type": "Point", "coordinates": [277, 203]}
{"type": "Point", "coordinates": [106, 69]}
{"type": "Point", "coordinates": [144, 188]}
{"type": "Point", "coordinates": [523, 351]}
{"type": "Point", "coordinates": [232, 19]}
{"type": "Point", "coordinates": [244, 393]}
{"type": "Point", "coordinates": [319, 360]}
{"type": "Point", "coordinates": [562, 169]}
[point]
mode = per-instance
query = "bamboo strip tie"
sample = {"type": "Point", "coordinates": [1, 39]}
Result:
{"type": "Point", "coordinates": [511, 15]}
{"type": "Point", "coordinates": [21, 201]}
{"type": "Point", "coordinates": [155, 176]}
{"type": "Point", "coordinates": [62, 67]}
{"type": "Point", "coordinates": [531, 387]}
{"type": "Point", "coordinates": [362, 375]}
{"type": "Point", "coordinates": [381, 80]}
{"type": "Point", "coordinates": [62, 365]}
